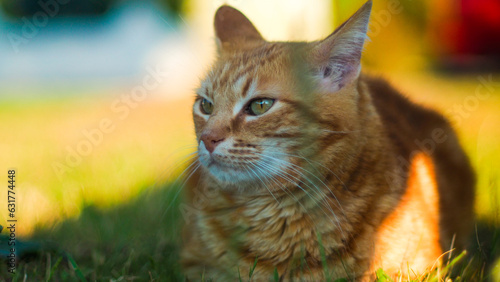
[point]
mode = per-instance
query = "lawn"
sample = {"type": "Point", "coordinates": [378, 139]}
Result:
{"type": "Point", "coordinates": [96, 191]}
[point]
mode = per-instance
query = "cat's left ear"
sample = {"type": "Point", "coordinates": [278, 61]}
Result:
{"type": "Point", "coordinates": [233, 29]}
{"type": "Point", "coordinates": [336, 59]}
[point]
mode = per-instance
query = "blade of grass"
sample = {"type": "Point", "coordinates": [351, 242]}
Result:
{"type": "Point", "coordinates": [382, 276]}
{"type": "Point", "coordinates": [78, 272]}
{"type": "Point", "coordinates": [323, 258]}
{"type": "Point", "coordinates": [250, 273]}
{"type": "Point", "coordinates": [276, 275]}
{"type": "Point", "coordinates": [436, 277]}
{"type": "Point", "coordinates": [53, 269]}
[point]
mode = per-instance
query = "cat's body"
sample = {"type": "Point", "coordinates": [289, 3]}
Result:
{"type": "Point", "coordinates": [337, 158]}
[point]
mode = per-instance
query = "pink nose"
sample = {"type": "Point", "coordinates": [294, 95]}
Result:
{"type": "Point", "coordinates": [211, 141]}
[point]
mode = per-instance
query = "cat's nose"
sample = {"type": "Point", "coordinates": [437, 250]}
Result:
{"type": "Point", "coordinates": [211, 141]}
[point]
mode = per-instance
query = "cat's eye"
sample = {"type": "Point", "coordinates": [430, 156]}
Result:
{"type": "Point", "coordinates": [206, 106]}
{"type": "Point", "coordinates": [258, 107]}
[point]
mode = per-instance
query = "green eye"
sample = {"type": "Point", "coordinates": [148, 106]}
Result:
{"type": "Point", "coordinates": [206, 106]}
{"type": "Point", "coordinates": [259, 106]}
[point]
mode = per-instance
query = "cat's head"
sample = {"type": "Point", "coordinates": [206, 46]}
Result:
{"type": "Point", "coordinates": [267, 108]}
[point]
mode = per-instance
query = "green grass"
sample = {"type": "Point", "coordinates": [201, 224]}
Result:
{"type": "Point", "coordinates": [106, 219]}
{"type": "Point", "coordinates": [137, 240]}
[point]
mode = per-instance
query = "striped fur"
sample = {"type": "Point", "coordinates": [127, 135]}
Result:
{"type": "Point", "coordinates": [335, 160]}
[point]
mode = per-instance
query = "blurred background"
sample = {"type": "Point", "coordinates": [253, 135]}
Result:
{"type": "Point", "coordinates": [95, 96]}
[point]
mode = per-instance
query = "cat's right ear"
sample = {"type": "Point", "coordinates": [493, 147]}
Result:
{"type": "Point", "coordinates": [337, 57]}
{"type": "Point", "coordinates": [233, 29]}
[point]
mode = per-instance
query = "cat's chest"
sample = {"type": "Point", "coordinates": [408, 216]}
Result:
{"type": "Point", "coordinates": [268, 229]}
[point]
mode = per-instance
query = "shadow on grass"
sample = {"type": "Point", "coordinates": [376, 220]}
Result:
{"type": "Point", "coordinates": [140, 240]}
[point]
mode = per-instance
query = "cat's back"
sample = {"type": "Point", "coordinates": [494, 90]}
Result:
{"type": "Point", "coordinates": [413, 129]}
{"type": "Point", "coordinates": [403, 120]}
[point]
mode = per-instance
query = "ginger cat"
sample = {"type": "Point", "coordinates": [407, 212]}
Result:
{"type": "Point", "coordinates": [314, 169]}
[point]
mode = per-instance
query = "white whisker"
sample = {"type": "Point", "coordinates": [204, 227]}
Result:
{"type": "Point", "coordinates": [321, 196]}
{"type": "Point", "coordinates": [340, 132]}
{"type": "Point", "coordinates": [265, 185]}
{"type": "Point", "coordinates": [192, 168]}
{"type": "Point", "coordinates": [282, 187]}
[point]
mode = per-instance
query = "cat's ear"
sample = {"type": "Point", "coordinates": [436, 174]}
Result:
{"type": "Point", "coordinates": [336, 59]}
{"type": "Point", "coordinates": [233, 29]}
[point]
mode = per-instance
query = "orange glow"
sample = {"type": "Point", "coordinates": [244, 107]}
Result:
{"type": "Point", "coordinates": [417, 217]}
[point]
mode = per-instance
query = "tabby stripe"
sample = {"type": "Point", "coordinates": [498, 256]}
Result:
{"type": "Point", "coordinates": [281, 135]}
{"type": "Point", "coordinates": [199, 119]}
{"type": "Point", "coordinates": [236, 122]}
{"type": "Point", "coordinates": [225, 76]}
{"type": "Point", "coordinates": [253, 65]}
{"type": "Point", "coordinates": [355, 171]}
{"type": "Point", "coordinates": [218, 228]}
{"type": "Point", "coordinates": [305, 111]}
{"type": "Point", "coordinates": [329, 140]}
{"type": "Point", "coordinates": [246, 70]}
{"type": "Point", "coordinates": [270, 54]}
{"type": "Point", "coordinates": [244, 92]}
{"type": "Point", "coordinates": [237, 76]}
{"type": "Point", "coordinates": [359, 229]}
{"type": "Point", "coordinates": [239, 151]}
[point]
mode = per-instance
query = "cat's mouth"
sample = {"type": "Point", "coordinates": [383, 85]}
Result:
{"type": "Point", "coordinates": [226, 163]}
{"type": "Point", "coordinates": [212, 163]}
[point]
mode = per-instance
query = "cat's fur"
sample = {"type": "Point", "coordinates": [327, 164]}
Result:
{"type": "Point", "coordinates": [340, 158]}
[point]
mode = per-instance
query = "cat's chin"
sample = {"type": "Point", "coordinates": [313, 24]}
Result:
{"type": "Point", "coordinates": [229, 175]}
{"type": "Point", "coordinates": [235, 171]}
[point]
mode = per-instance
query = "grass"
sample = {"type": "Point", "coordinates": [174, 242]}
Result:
{"type": "Point", "coordinates": [106, 219]}
{"type": "Point", "coordinates": [132, 241]}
